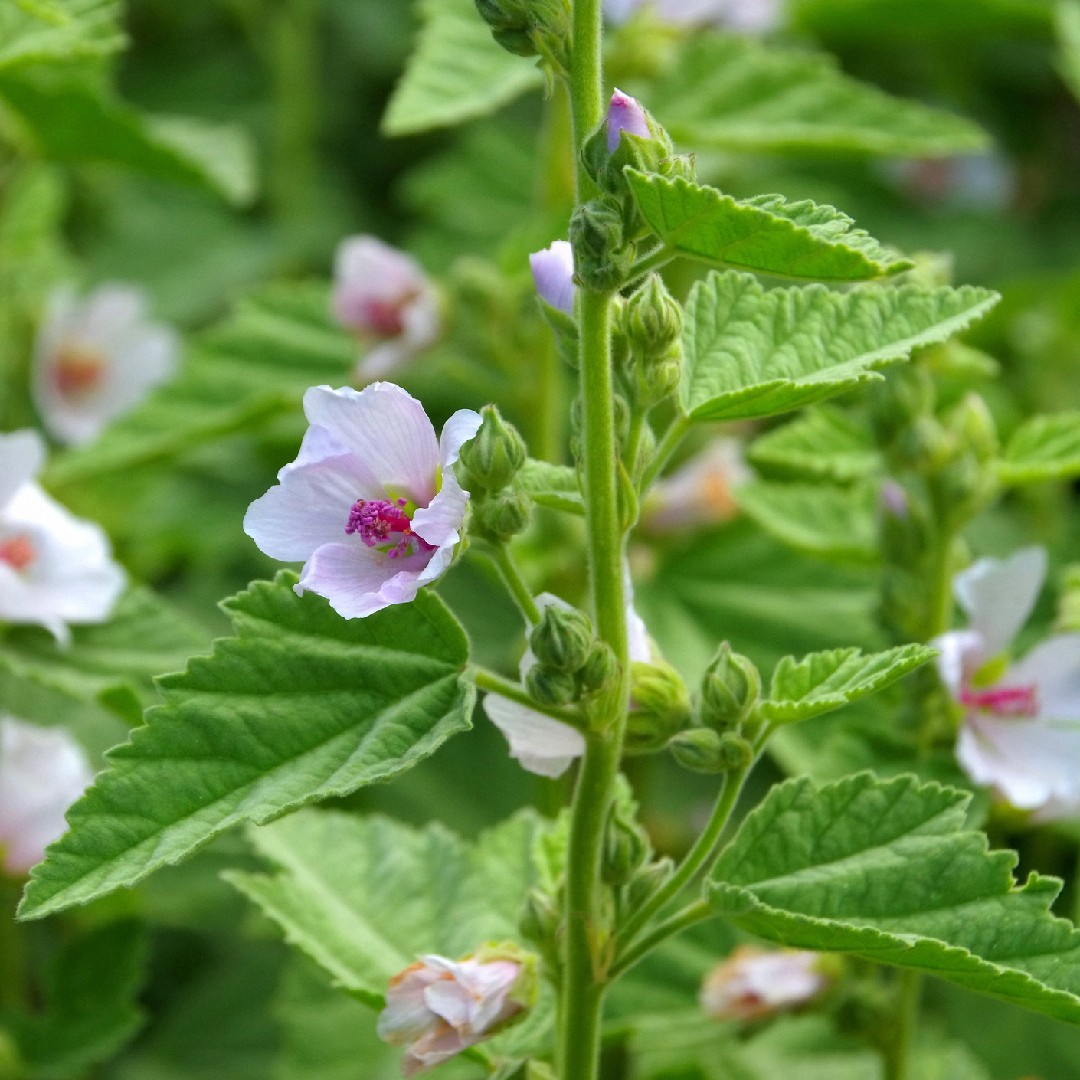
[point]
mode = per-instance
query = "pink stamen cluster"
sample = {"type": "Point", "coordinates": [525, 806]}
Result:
{"type": "Point", "coordinates": [77, 372]}
{"type": "Point", "coordinates": [386, 317]}
{"type": "Point", "coordinates": [17, 552]}
{"type": "Point", "coordinates": [1002, 700]}
{"type": "Point", "coordinates": [377, 521]}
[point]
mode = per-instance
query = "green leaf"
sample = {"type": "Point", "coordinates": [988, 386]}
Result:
{"type": "Point", "coordinates": [751, 352]}
{"type": "Point", "coordinates": [824, 681]}
{"type": "Point", "coordinates": [456, 72]}
{"type": "Point", "coordinates": [551, 485]}
{"type": "Point", "coordinates": [1043, 448]}
{"type": "Point", "coordinates": [823, 520]}
{"type": "Point", "coordinates": [1067, 27]}
{"type": "Point", "coordinates": [765, 234]}
{"type": "Point", "coordinates": [886, 870]}
{"type": "Point", "coordinates": [70, 118]}
{"type": "Point", "coordinates": [825, 443]}
{"type": "Point", "coordinates": [300, 705]}
{"type": "Point", "coordinates": [65, 30]}
{"type": "Point", "coordinates": [729, 93]}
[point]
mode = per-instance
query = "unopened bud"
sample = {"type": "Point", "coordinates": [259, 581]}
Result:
{"type": "Point", "coordinates": [729, 690]}
{"type": "Point", "coordinates": [625, 113]}
{"type": "Point", "coordinates": [659, 379]}
{"type": "Point", "coordinates": [495, 453]}
{"type": "Point", "coordinates": [661, 706]}
{"type": "Point", "coordinates": [553, 273]}
{"type": "Point", "coordinates": [626, 847]}
{"type": "Point", "coordinates": [540, 918]}
{"type": "Point", "coordinates": [652, 319]}
{"type": "Point", "coordinates": [974, 426]}
{"type": "Point", "coordinates": [645, 882]}
{"type": "Point", "coordinates": [528, 27]}
{"type": "Point", "coordinates": [697, 749]}
{"type": "Point", "coordinates": [602, 257]}
{"type": "Point", "coordinates": [600, 668]}
{"type": "Point", "coordinates": [562, 640]}
{"type": "Point", "coordinates": [502, 515]}
{"type": "Point", "coordinates": [551, 688]}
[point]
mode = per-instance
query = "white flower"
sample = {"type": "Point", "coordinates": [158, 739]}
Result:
{"type": "Point", "coordinates": [42, 772]}
{"type": "Point", "coordinates": [383, 296]}
{"type": "Point", "coordinates": [700, 492]}
{"type": "Point", "coordinates": [96, 359]}
{"type": "Point", "coordinates": [371, 504]}
{"type": "Point", "coordinates": [438, 1007]}
{"type": "Point", "coordinates": [753, 983]}
{"type": "Point", "coordinates": [1021, 728]}
{"type": "Point", "coordinates": [748, 16]}
{"type": "Point", "coordinates": [55, 568]}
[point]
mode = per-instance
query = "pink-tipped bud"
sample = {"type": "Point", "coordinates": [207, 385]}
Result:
{"type": "Point", "coordinates": [553, 271]}
{"type": "Point", "coordinates": [625, 114]}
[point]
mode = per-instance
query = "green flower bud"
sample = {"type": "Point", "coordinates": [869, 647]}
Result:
{"type": "Point", "coordinates": [974, 426]}
{"type": "Point", "coordinates": [540, 918]}
{"type": "Point", "coordinates": [697, 749]}
{"type": "Point", "coordinates": [661, 706]}
{"type": "Point", "coordinates": [494, 454]}
{"type": "Point", "coordinates": [551, 688]}
{"type": "Point", "coordinates": [652, 319]}
{"type": "Point", "coordinates": [626, 847]}
{"type": "Point", "coordinates": [602, 256]}
{"type": "Point", "coordinates": [729, 690]}
{"type": "Point", "coordinates": [502, 515]}
{"type": "Point", "coordinates": [600, 669]}
{"type": "Point", "coordinates": [659, 379]}
{"type": "Point", "coordinates": [906, 394]}
{"type": "Point", "coordinates": [562, 640]}
{"type": "Point", "coordinates": [645, 881]}
{"type": "Point", "coordinates": [529, 27]}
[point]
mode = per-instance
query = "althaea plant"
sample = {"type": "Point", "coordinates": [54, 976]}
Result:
{"type": "Point", "coordinates": [521, 951]}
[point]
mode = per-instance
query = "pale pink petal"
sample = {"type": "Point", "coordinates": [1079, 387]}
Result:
{"type": "Point", "coordinates": [22, 456]}
{"type": "Point", "coordinates": [358, 580]}
{"type": "Point", "coordinates": [960, 654]}
{"type": "Point", "coordinates": [364, 269]}
{"type": "Point", "coordinates": [439, 522]}
{"type": "Point", "coordinates": [625, 114]}
{"type": "Point", "coordinates": [553, 274]}
{"type": "Point", "coordinates": [1053, 668]}
{"type": "Point", "coordinates": [382, 360]}
{"type": "Point", "coordinates": [542, 745]}
{"type": "Point", "coordinates": [998, 595]}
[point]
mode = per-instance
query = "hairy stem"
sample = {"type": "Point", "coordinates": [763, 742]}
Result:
{"type": "Point", "coordinates": [897, 1053]}
{"type": "Point", "coordinates": [503, 559]}
{"type": "Point", "coordinates": [667, 446]}
{"type": "Point", "coordinates": [491, 683]}
{"type": "Point", "coordinates": [693, 913]}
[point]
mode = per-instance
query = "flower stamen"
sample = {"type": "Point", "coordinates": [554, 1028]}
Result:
{"type": "Point", "coordinates": [378, 521]}
{"type": "Point", "coordinates": [17, 552]}
{"type": "Point", "coordinates": [77, 372]}
{"type": "Point", "coordinates": [1002, 700]}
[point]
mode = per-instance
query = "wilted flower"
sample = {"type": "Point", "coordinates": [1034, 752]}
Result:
{"type": "Point", "coordinates": [625, 114]}
{"type": "Point", "coordinates": [371, 504]}
{"type": "Point", "coordinates": [437, 1007]}
{"type": "Point", "coordinates": [700, 492]}
{"type": "Point", "coordinates": [383, 296]}
{"type": "Point", "coordinates": [749, 16]}
{"type": "Point", "coordinates": [96, 359]}
{"type": "Point", "coordinates": [553, 272]}
{"type": "Point", "coordinates": [1021, 728]}
{"type": "Point", "coordinates": [42, 772]}
{"type": "Point", "coordinates": [55, 568]}
{"type": "Point", "coordinates": [753, 983]}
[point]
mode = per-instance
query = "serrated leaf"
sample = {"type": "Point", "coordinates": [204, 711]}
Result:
{"type": "Point", "coordinates": [825, 443]}
{"type": "Point", "coordinates": [457, 72]}
{"type": "Point", "coordinates": [730, 93]}
{"type": "Point", "coordinates": [886, 870]}
{"type": "Point", "coordinates": [551, 485]}
{"type": "Point", "coordinates": [70, 118]}
{"type": "Point", "coordinates": [67, 29]}
{"type": "Point", "coordinates": [1043, 448]}
{"type": "Point", "coordinates": [751, 352]}
{"type": "Point", "coordinates": [301, 705]}
{"type": "Point", "coordinates": [765, 234]}
{"type": "Point", "coordinates": [824, 681]}
{"type": "Point", "coordinates": [820, 519]}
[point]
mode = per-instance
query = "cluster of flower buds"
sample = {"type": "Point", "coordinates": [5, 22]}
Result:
{"type": "Point", "coordinates": [651, 324]}
{"type": "Point", "coordinates": [490, 463]}
{"type": "Point", "coordinates": [570, 662]}
{"type": "Point", "coordinates": [720, 740]}
{"type": "Point", "coordinates": [531, 28]}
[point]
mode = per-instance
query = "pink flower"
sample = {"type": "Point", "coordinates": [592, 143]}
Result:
{"type": "Point", "coordinates": [55, 568]}
{"type": "Point", "coordinates": [700, 492]}
{"type": "Point", "coordinates": [1021, 722]}
{"type": "Point", "coordinates": [96, 359]}
{"type": "Point", "coordinates": [553, 272]}
{"type": "Point", "coordinates": [753, 983]}
{"type": "Point", "coordinates": [371, 504]}
{"type": "Point", "coordinates": [625, 114]}
{"type": "Point", "coordinates": [383, 296]}
{"type": "Point", "coordinates": [437, 1007]}
{"type": "Point", "coordinates": [748, 16]}
{"type": "Point", "coordinates": [42, 772]}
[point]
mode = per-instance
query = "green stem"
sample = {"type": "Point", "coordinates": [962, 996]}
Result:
{"type": "Point", "coordinates": [586, 85]}
{"type": "Point", "coordinates": [665, 448]}
{"type": "Point", "coordinates": [648, 263]}
{"type": "Point", "coordinates": [633, 442]}
{"type": "Point", "coordinates": [491, 683]}
{"type": "Point", "coordinates": [693, 913]}
{"type": "Point", "coordinates": [897, 1053]}
{"type": "Point", "coordinates": [13, 970]}
{"type": "Point", "coordinates": [503, 559]}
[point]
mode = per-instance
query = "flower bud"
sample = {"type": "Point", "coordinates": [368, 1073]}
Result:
{"type": "Point", "coordinates": [658, 380]}
{"type": "Point", "coordinates": [600, 668]}
{"type": "Point", "coordinates": [729, 690]}
{"type": "Point", "coordinates": [540, 919]}
{"type": "Point", "coordinates": [495, 453]}
{"type": "Point", "coordinates": [562, 640]}
{"type": "Point", "coordinates": [697, 749]}
{"type": "Point", "coordinates": [660, 706]}
{"type": "Point", "coordinates": [624, 114]}
{"type": "Point", "coordinates": [626, 847]}
{"type": "Point", "coordinates": [528, 27]}
{"type": "Point", "coordinates": [652, 318]}
{"type": "Point", "coordinates": [550, 688]}
{"type": "Point", "coordinates": [502, 515]}
{"type": "Point", "coordinates": [753, 983]}
{"type": "Point", "coordinates": [602, 257]}
{"type": "Point", "coordinates": [553, 273]}
{"type": "Point", "coordinates": [646, 880]}
{"type": "Point", "coordinates": [972, 423]}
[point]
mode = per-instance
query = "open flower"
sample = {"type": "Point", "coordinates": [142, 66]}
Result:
{"type": "Point", "coordinates": [96, 359]}
{"type": "Point", "coordinates": [701, 492]}
{"type": "Point", "coordinates": [747, 16]}
{"type": "Point", "coordinates": [383, 296]}
{"type": "Point", "coordinates": [437, 1007]}
{"type": "Point", "coordinates": [1021, 722]}
{"type": "Point", "coordinates": [553, 272]}
{"type": "Point", "coordinates": [753, 983]}
{"type": "Point", "coordinates": [42, 772]}
{"type": "Point", "coordinates": [371, 504]}
{"type": "Point", "coordinates": [55, 569]}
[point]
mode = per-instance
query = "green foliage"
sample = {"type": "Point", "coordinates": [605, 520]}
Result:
{"type": "Point", "coordinates": [730, 93]}
{"type": "Point", "coordinates": [752, 353]}
{"type": "Point", "coordinates": [456, 72]}
{"type": "Point", "coordinates": [832, 522]}
{"type": "Point", "coordinates": [57, 30]}
{"type": "Point", "coordinates": [824, 681]}
{"type": "Point", "coordinates": [275, 718]}
{"type": "Point", "coordinates": [1043, 448]}
{"type": "Point", "coordinates": [551, 485]}
{"type": "Point", "coordinates": [825, 443]}
{"type": "Point", "coordinates": [886, 870]}
{"type": "Point", "coordinates": [765, 234]}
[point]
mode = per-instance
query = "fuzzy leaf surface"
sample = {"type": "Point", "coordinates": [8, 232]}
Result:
{"type": "Point", "coordinates": [824, 681]}
{"type": "Point", "coordinates": [456, 72]}
{"type": "Point", "coordinates": [825, 443]}
{"type": "Point", "coordinates": [1043, 448]}
{"type": "Point", "coordinates": [765, 234]}
{"type": "Point", "coordinates": [887, 871]}
{"type": "Point", "coordinates": [300, 705]}
{"type": "Point", "coordinates": [64, 30]}
{"type": "Point", "coordinates": [751, 352]}
{"type": "Point", "coordinates": [728, 93]}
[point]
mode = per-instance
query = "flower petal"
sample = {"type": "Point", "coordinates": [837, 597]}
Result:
{"type": "Point", "coordinates": [22, 456]}
{"type": "Point", "coordinates": [542, 745]}
{"type": "Point", "coordinates": [553, 274]}
{"type": "Point", "coordinates": [358, 580]}
{"type": "Point", "coordinates": [960, 654]}
{"type": "Point", "coordinates": [998, 595]}
{"type": "Point", "coordinates": [1053, 668]}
